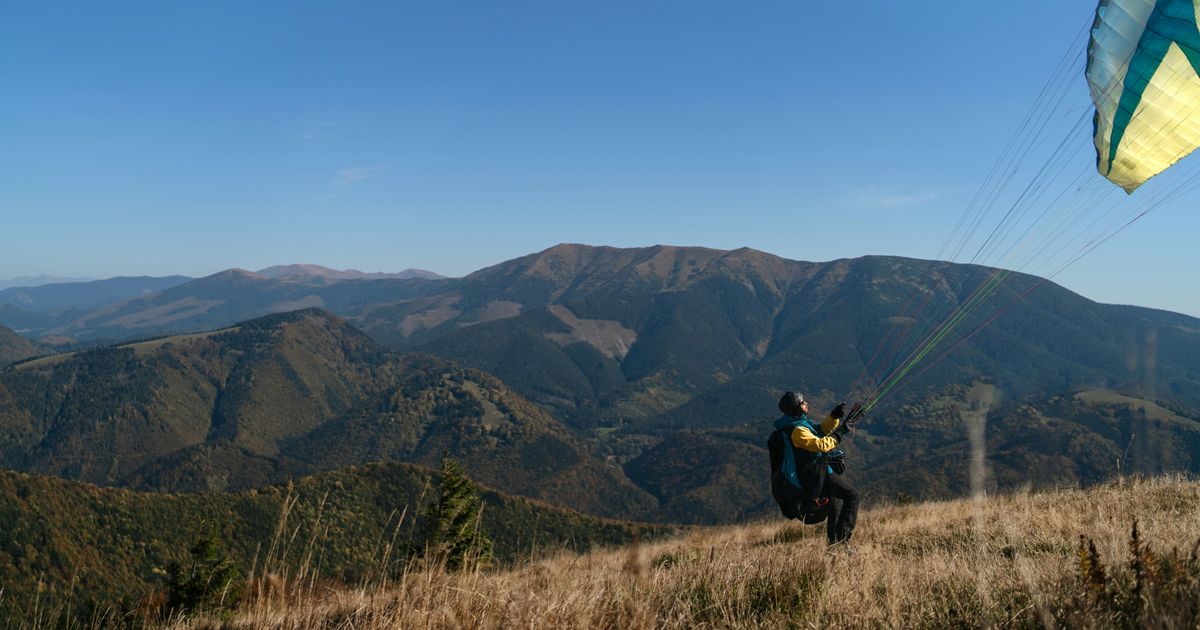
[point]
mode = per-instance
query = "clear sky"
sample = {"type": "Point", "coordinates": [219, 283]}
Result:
{"type": "Point", "coordinates": [185, 138]}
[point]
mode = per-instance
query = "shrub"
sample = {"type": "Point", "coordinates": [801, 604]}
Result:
{"type": "Point", "coordinates": [208, 583]}
{"type": "Point", "coordinates": [1150, 590]}
{"type": "Point", "coordinates": [454, 535]}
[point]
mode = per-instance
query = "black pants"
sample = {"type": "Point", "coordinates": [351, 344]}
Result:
{"type": "Point", "coordinates": [843, 509]}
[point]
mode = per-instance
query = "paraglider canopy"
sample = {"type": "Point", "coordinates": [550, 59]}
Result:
{"type": "Point", "coordinates": [1144, 74]}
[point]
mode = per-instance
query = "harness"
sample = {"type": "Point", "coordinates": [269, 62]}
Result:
{"type": "Point", "coordinates": [798, 476]}
{"type": "Point", "coordinates": [789, 469]}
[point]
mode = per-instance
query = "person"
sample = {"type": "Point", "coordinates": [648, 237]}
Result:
{"type": "Point", "coordinates": [809, 484]}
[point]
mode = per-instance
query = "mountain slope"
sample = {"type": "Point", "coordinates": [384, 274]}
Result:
{"type": "Point", "coordinates": [279, 396]}
{"type": "Point", "coordinates": [14, 347]}
{"type": "Point", "coordinates": [680, 337]}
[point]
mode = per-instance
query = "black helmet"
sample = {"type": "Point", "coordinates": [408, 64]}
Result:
{"type": "Point", "coordinates": [790, 403]}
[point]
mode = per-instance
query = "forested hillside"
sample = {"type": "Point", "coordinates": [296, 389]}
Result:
{"type": "Point", "coordinates": [104, 547]}
{"type": "Point", "coordinates": [281, 396]}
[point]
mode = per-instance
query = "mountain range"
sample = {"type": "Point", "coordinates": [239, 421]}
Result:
{"type": "Point", "coordinates": [657, 367]}
{"type": "Point", "coordinates": [300, 272]}
{"type": "Point", "coordinates": [84, 295]}
{"type": "Point", "coordinates": [68, 312]}
{"type": "Point", "coordinates": [35, 281]}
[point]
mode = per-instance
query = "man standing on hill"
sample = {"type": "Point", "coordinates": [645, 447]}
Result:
{"type": "Point", "coordinates": [806, 469]}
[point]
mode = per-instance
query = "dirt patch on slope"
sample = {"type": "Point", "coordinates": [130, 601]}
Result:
{"type": "Point", "coordinates": [606, 335]}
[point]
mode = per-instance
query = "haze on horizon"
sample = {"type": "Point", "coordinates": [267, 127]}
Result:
{"type": "Point", "coordinates": [161, 140]}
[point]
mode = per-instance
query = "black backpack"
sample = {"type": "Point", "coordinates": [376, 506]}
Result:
{"type": "Point", "coordinates": [797, 476]}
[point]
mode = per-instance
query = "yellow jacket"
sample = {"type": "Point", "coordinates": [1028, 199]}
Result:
{"type": "Point", "coordinates": [803, 438]}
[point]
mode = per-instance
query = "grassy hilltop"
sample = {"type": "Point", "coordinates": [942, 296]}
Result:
{"type": "Point", "coordinates": [1029, 560]}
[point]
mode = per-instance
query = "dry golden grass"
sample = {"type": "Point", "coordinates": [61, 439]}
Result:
{"type": "Point", "coordinates": [1002, 561]}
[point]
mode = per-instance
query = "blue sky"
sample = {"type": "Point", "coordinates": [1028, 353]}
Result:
{"type": "Point", "coordinates": [187, 138]}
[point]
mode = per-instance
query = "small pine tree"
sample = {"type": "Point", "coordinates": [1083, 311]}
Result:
{"type": "Point", "coordinates": [209, 582]}
{"type": "Point", "coordinates": [453, 522]}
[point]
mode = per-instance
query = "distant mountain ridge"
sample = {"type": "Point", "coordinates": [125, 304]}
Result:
{"type": "Point", "coordinates": [212, 302]}
{"type": "Point", "coordinates": [317, 271]}
{"type": "Point", "coordinates": [35, 281]}
{"type": "Point", "coordinates": [96, 310]}
{"type": "Point", "coordinates": [85, 295]}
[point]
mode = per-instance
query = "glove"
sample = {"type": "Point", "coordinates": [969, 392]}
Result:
{"type": "Point", "coordinates": [838, 412]}
{"type": "Point", "coordinates": [838, 467]}
{"type": "Point", "coordinates": [839, 432]}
